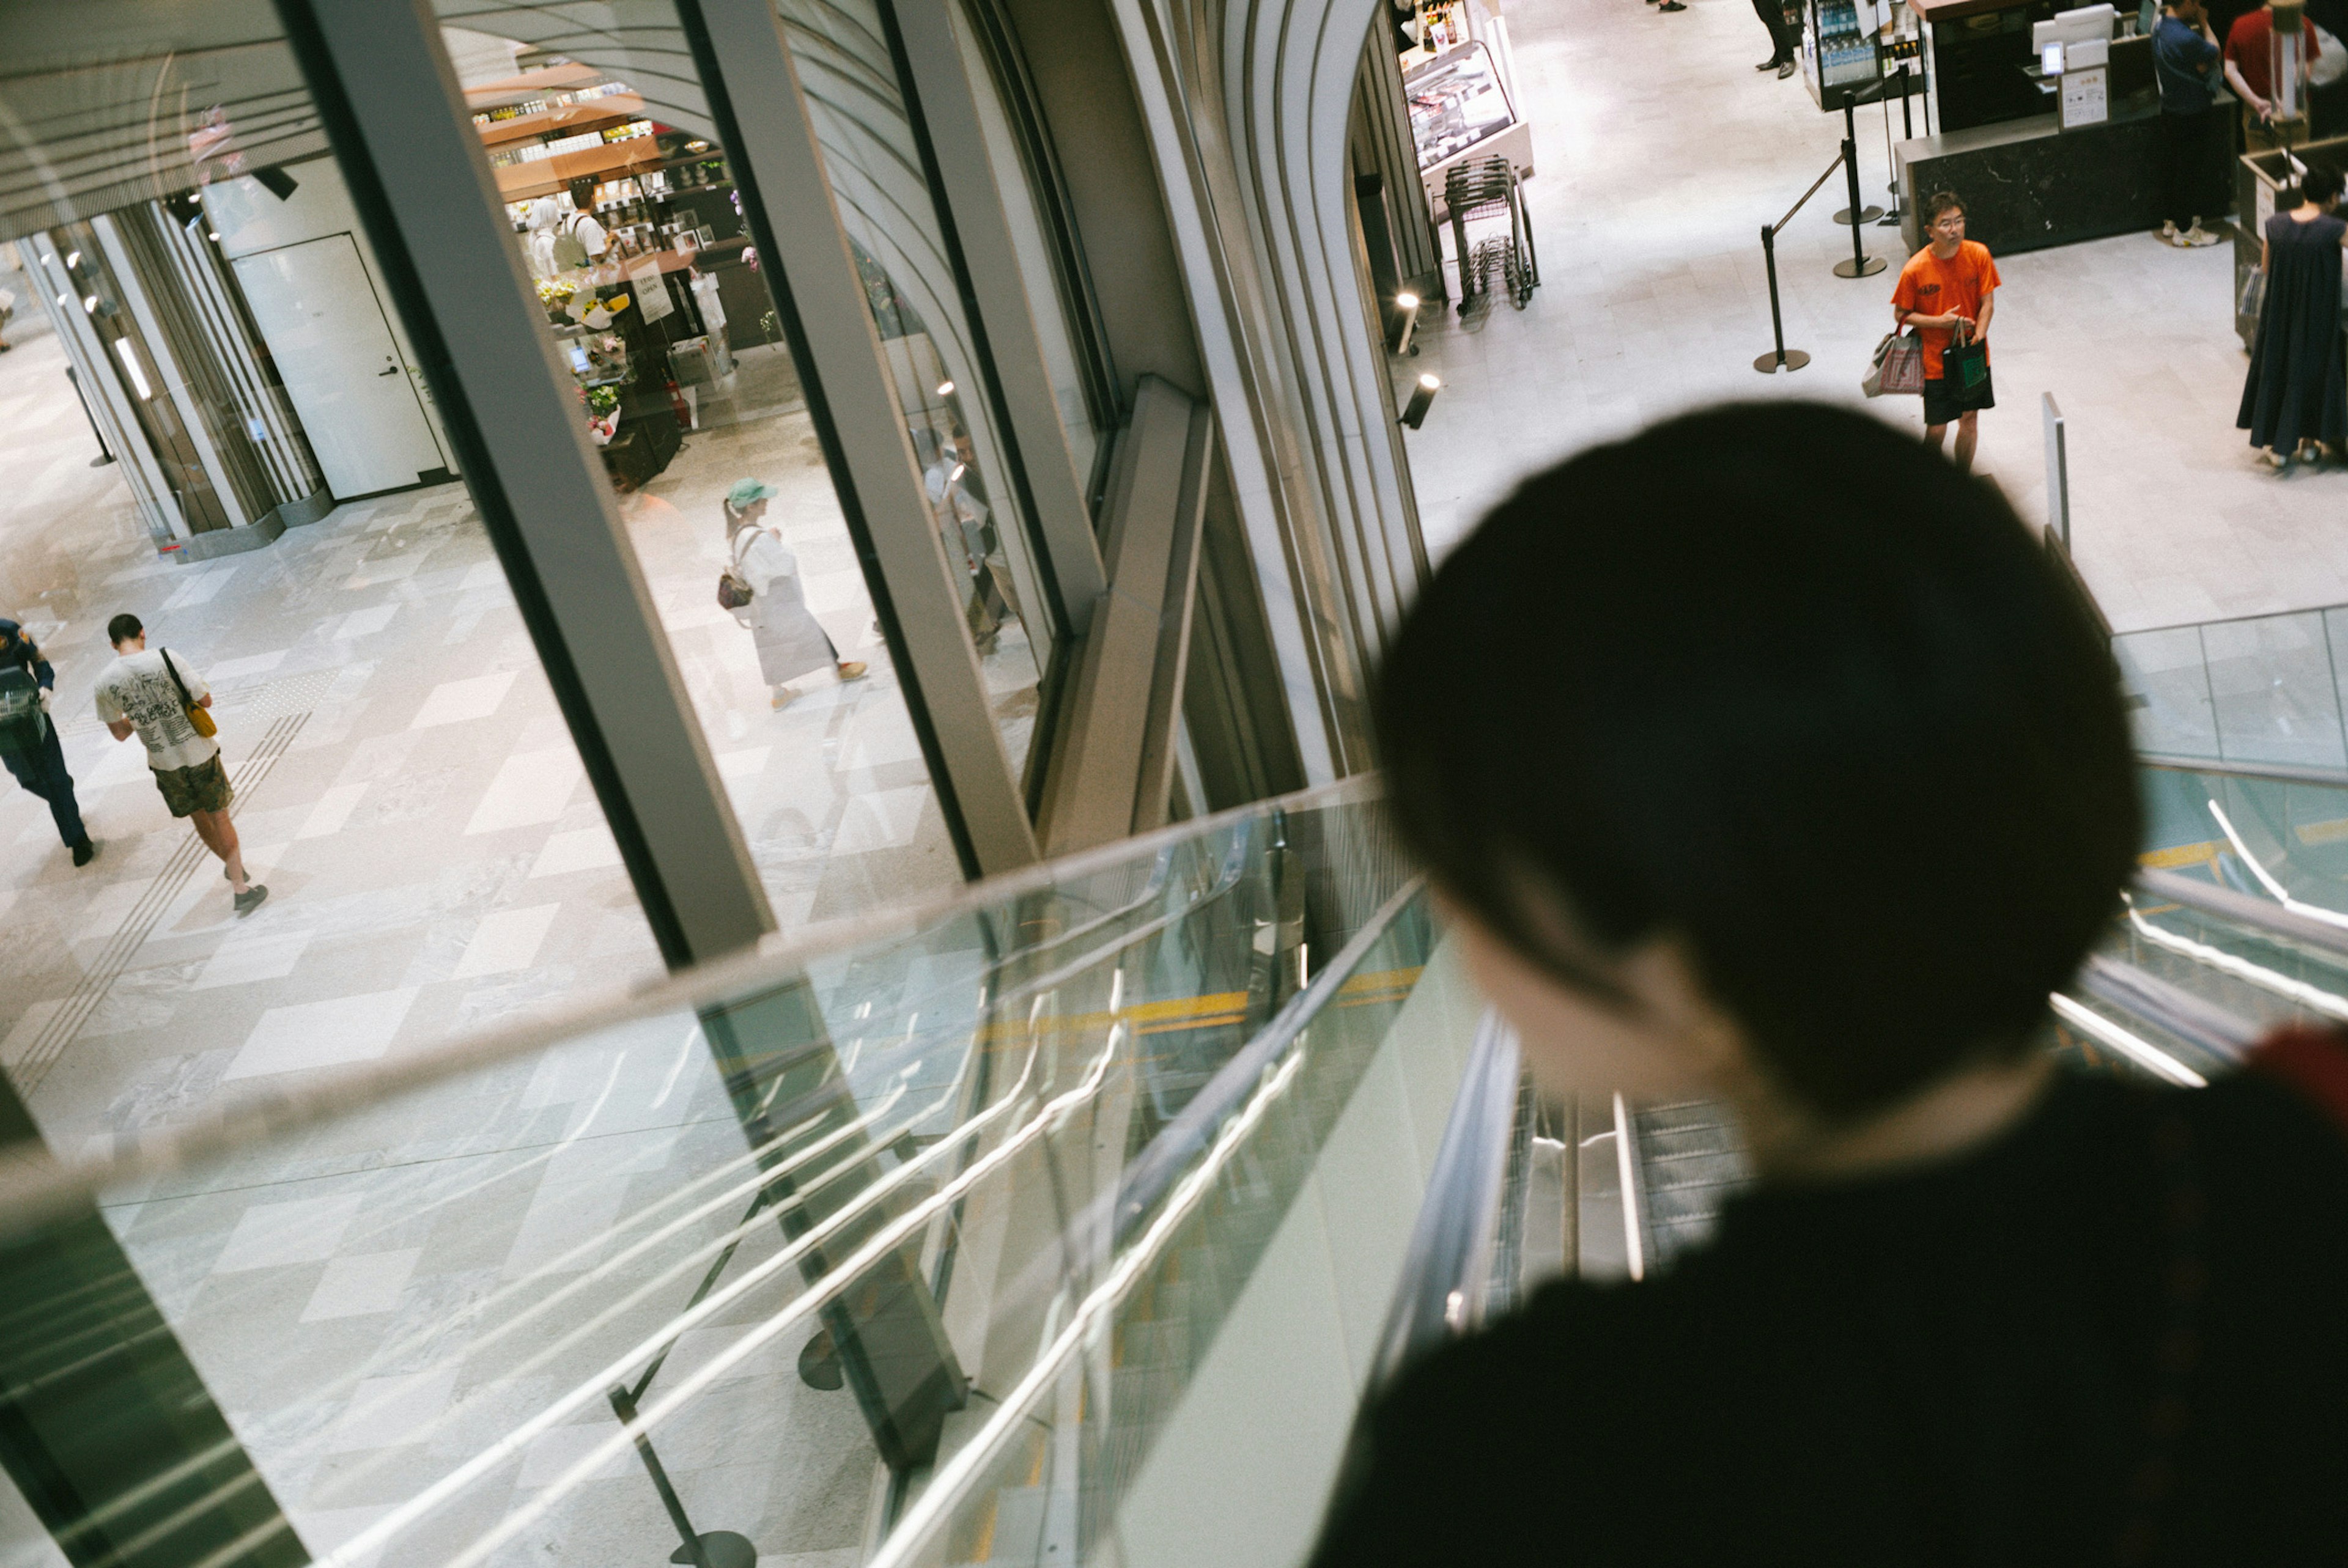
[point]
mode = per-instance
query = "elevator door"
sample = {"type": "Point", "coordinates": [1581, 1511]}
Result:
{"type": "Point", "coordinates": [325, 329]}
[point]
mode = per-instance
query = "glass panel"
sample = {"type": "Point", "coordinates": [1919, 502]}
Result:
{"type": "Point", "coordinates": [2271, 681]}
{"type": "Point", "coordinates": [789, 1233]}
{"type": "Point", "coordinates": [886, 206]}
{"type": "Point", "coordinates": [218, 428]}
{"type": "Point", "coordinates": [1018, 174]}
{"type": "Point", "coordinates": [2166, 682]}
{"type": "Point", "coordinates": [391, 766]}
{"type": "Point", "coordinates": [1064, 1468]}
{"type": "Point", "coordinates": [623, 208]}
{"type": "Point", "coordinates": [2298, 833]}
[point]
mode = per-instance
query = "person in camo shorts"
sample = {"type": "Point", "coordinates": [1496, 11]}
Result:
{"type": "Point", "coordinates": [148, 693]}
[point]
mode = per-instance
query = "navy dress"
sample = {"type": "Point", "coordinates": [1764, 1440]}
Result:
{"type": "Point", "coordinates": [2297, 387]}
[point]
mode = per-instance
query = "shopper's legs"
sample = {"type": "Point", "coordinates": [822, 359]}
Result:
{"type": "Point", "coordinates": [1773, 16]}
{"type": "Point", "coordinates": [218, 830]}
{"type": "Point", "coordinates": [2181, 162]}
{"type": "Point", "coordinates": [1967, 430]}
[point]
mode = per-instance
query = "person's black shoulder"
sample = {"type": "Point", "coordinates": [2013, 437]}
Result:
{"type": "Point", "coordinates": [1480, 1450]}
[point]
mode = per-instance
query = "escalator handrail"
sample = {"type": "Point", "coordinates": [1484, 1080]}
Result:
{"type": "Point", "coordinates": [2280, 773]}
{"type": "Point", "coordinates": [2266, 918]}
{"type": "Point", "coordinates": [2200, 1023]}
{"type": "Point", "coordinates": [37, 1186]}
{"type": "Point", "coordinates": [1448, 1266]}
{"type": "Point", "coordinates": [1205, 1143]}
{"type": "Point", "coordinates": [1179, 1143]}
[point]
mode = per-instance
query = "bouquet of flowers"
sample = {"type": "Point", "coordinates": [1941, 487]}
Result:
{"type": "Point", "coordinates": [603, 413]}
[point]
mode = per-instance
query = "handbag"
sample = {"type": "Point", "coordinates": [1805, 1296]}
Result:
{"type": "Point", "coordinates": [2254, 294]}
{"type": "Point", "coordinates": [200, 719]}
{"type": "Point", "coordinates": [734, 593]}
{"type": "Point", "coordinates": [1898, 368]}
{"type": "Point", "coordinates": [1965, 367]}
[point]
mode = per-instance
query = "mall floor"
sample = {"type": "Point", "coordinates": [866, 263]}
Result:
{"type": "Point", "coordinates": [1660, 152]}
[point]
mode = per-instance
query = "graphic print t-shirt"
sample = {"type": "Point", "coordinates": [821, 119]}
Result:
{"type": "Point", "coordinates": [1931, 287]}
{"type": "Point", "coordinates": [137, 688]}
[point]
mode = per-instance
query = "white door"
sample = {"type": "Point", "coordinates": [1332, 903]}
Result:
{"type": "Point", "coordinates": [318, 312]}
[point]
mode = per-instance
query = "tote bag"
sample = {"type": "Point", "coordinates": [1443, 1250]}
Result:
{"type": "Point", "coordinates": [1898, 369]}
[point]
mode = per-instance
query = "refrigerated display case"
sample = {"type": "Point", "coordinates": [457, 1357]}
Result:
{"type": "Point", "coordinates": [1840, 56]}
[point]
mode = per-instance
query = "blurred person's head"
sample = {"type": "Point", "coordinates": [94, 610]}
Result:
{"type": "Point", "coordinates": [125, 630]}
{"type": "Point", "coordinates": [1764, 752]}
{"type": "Point", "coordinates": [2321, 187]}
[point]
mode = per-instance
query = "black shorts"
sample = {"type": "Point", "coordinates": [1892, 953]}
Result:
{"type": "Point", "coordinates": [1941, 400]}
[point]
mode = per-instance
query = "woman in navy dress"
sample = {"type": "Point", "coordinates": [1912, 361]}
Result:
{"type": "Point", "coordinates": [2297, 395]}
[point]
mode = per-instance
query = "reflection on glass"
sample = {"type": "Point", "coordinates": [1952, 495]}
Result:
{"type": "Point", "coordinates": [625, 211]}
{"type": "Point", "coordinates": [429, 1319]}
{"type": "Point", "coordinates": [1021, 172]}
{"type": "Point", "coordinates": [216, 426]}
{"type": "Point", "coordinates": [2265, 689]}
{"type": "Point", "coordinates": [891, 219]}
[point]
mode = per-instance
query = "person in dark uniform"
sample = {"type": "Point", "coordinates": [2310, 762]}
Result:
{"type": "Point", "coordinates": [1785, 38]}
{"type": "Point", "coordinates": [28, 736]}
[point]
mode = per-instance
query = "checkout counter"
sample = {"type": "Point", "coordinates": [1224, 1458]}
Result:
{"type": "Point", "coordinates": [2036, 170]}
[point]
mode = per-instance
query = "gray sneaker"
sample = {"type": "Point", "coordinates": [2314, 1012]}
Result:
{"type": "Point", "coordinates": [250, 899]}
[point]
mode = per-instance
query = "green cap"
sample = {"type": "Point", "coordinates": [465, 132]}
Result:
{"type": "Point", "coordinates": [746, 491]}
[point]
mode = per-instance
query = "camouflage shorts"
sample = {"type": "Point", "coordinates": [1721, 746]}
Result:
{"type": "Point", "coordinates": [203, 787]}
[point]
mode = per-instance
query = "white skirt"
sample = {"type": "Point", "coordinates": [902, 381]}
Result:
{"type": "Point", "coordinates": [791, 643]}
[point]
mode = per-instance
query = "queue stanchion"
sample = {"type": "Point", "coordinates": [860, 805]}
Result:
{"type": "Point", "coordinates": [1781, 357]}
{"type": "Point", "coordinates": [1850, 150]}
{"type": "Point", "coordinates": [1861, 264]}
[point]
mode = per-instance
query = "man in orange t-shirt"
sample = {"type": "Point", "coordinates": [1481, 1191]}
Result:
{"type": "Point", "coordinates": [1947, 289]}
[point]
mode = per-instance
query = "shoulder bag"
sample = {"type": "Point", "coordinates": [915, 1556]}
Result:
{"type": "Point", "coordinates": [733, 590]}
{"type": "Point", "coordinates": [199, 719]}
{"type": "Point", "coordinates": [1899, 368]}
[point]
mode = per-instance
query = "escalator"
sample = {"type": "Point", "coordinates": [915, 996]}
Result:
{"type": "Point", "coordinates": [1003, 1231]}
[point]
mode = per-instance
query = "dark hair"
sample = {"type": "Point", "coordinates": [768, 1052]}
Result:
{"type": "Point", "coordinates": [2320, 185]}
{"type": "Point", "coordinates": [123, 627]}
{"type": "Point", "coordinates": [1939, 202]}
{"type": "Point", "coordinates": [1777, 680]}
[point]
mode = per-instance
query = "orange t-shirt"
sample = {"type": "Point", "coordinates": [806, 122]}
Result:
{"type": "Point", "coordinates": [1931, 287]}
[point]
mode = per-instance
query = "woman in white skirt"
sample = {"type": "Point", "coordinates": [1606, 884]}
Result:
{"type": "Point", "coordinates": [790, 640]}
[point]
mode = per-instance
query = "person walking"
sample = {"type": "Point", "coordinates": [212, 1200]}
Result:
{"type": "Point", "coordinates": [789, 640]}
{"type": "Point", "coordinates": [28, 737]}
{"type": "Point", "coordinates": [1946, 293]}
{"type": "Point", "coordinates": [1785, 41]}
{"type": "Point", "coordinates": [2186, 58]}
{"type": "Point", "coordinates": [152, 694]}
{"type": "Point", "coordinates": [2250, 42]}
{"type": "Point", "coordinates": [2296, 393]}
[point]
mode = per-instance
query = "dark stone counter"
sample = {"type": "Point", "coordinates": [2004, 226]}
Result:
{"type": "Point", "coordinates": [2028, 185]}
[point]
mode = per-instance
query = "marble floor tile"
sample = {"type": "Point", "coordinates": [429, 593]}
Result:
{"type": "Point", "coordinates": [506, 941]}
{"type": "Point", "coordinates": [270, 1235]}
{"type": "Point", "coordinates": [362, 1285]}
{"type": "Point", "coordinates": [322, 1034]}
{"type": "Point", "coordinates": [457, 701]}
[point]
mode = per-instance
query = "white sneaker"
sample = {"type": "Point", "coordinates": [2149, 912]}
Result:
{"type": "Point", "coordinates": [2197, 235]}
{"type": "Point", "coordinates": [2169, 231]}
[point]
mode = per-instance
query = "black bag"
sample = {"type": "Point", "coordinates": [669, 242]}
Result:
{"type": "Point", "coordinates": [22, 725]}
{"type": "Point", "coordinates": [1966, 367]}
